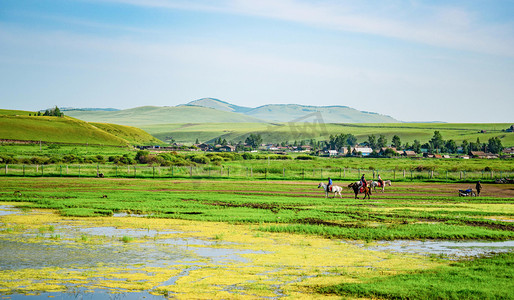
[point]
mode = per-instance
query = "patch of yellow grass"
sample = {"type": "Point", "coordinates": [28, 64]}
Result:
{"type": "Point", "coordinates": [278, 263]}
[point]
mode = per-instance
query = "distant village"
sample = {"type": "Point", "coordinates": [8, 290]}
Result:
{"type": "Point", "coordinates": [346, 146]}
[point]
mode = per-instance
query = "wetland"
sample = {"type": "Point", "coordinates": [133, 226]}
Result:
{"type": "Point", "coordinates": [207, 239]}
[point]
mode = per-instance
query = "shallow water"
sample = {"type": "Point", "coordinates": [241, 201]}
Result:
{"type": "Point", "coordinates": [450, 249]}
{"type": "Point", "coordinates": [81, 248]}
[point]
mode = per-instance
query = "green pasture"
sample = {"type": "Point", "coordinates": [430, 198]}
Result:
{"type": "Point", "coordinates": [488, 278]}
{"type": "Point", "coordinates": [280, 132]}
{"type": "Point", "coordinates": [406, 211]}
{"type": "Point", "coordinates": [276, 206]}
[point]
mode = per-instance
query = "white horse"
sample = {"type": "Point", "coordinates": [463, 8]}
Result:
{"type": "Point", "coordinates": [335, 189]}
{"type": "Point", "coordinates": [374, 185]}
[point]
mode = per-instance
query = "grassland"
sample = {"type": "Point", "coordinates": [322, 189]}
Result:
{"type": "Point", "coordinates": [20, 126]}
{"type": "Point", "coordinates": [280, 132]}
{"type": "Point", "coordinates": [307, 239]}
{"type": "Point", "coordinates": [146, 115]}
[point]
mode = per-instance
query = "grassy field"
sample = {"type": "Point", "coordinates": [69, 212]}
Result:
{"type": "Point", "coordinates": [18, 125]}
{"type": "Point", "coordinates": [310, 238]}
{"type": "Point", "coordinates": [280, 132]}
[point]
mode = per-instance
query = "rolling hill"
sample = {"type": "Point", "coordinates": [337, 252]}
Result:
{"type": "Point", "coordinates": [20, 126]}
{"type": "Point", "coordinates": [281, 132]}
{"type": "Point", "coordinates": [146, 115]}
{"type": "Point", "coordinates": [210, 110]}
{"type": "Point", "coordinates": [298, 113]}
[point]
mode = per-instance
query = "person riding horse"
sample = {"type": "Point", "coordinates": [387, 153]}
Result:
{"type": "Point", "coordinates": [363, 181]}
{"type": "Point", "coordinates": [329, 184]}
{"type": "Point", "coordinates": [380, 181]}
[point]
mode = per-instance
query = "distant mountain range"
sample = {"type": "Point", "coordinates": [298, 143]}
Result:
{"type": "Point", "coordinates": [210, 110]}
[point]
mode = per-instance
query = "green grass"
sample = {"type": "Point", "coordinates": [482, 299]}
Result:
{"type": "Point", "coordinates": [486, 278]}
{"type": "Point", "coordinates": [17, 126]}
{"type": "Point", "coordinates": [280, 132]}
{"type": "Point", "coordinates": [275, 207]}
{"type": "Point", "coordinates": [146, 115]}
{"type": "Point", "coordinates": [55, 129]}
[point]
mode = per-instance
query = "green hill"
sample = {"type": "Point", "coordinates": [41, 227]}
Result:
{"type": "Point", "coordinates": [327, 114]}
{"type": "Point", "coordinates": [133, 135]}
{"type": "Point", "coordinates": [219, 105]}
{"type": "Point", "coordinates": [145, 115]}
{"type": "Point", "coordinates": [295, 112]}
{"type": "Point", "coordinates": [18, 125]}
{"type": "Point", "coordinates": [280, 132]}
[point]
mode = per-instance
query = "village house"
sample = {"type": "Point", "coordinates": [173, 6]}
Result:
{"type": "Point", "coordinates": [409, 153]}
{"type": "Point", "coordinates": [227, 148]}
{"type": "Point", "coordinates": [364, 151]}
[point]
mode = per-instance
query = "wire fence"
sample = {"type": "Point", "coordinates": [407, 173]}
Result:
{"type": "Point", "coordinates": [241, 172]}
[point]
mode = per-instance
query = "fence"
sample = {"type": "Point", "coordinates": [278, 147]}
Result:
{"type": "Point", "coordinates": [241, 172]}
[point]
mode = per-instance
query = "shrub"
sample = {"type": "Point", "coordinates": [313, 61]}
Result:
{"type": "Point", "coordinates": [305, 157]}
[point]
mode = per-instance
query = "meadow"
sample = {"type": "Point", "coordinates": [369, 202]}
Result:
{"type": "Point", "coordinates": [288, 220]}
{"type": "Point", "coordinates": [281, 132]}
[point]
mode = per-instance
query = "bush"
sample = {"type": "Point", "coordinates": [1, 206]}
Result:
{"type": "Point", "coordinates": [305, 157]}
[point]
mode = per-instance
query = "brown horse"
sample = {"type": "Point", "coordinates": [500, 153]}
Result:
{"type": "Point", "coordinates": [356, 189]}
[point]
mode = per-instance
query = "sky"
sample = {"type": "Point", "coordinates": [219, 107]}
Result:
{"type": "Point", "coordinates": [417, 61]}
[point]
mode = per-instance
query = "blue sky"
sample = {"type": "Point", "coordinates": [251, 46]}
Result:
{"type": "Point", "coordinates": [449, 61]}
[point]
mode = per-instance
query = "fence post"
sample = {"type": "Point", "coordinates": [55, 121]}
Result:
{"type": "Point", "coordinates": [251, 172]}
{"type": "Point", "coordinates": [42, 170]}
{"type": "Point", "coordinates": [190, 171]}
{"type": "Point", "coordinates": [135, 174]}
{"type": "Point", "coordinates": [303, 173]}
{"type": "Point", "coordinates": [283, 172]}
{"type": "Point", "coordinates": [79, 171]}
{"type": "Point", "coordinates": [394, 174]}
{"type": "Point", "coordinates": [321, 171]}
{"type": "Point", "coordinates": [116, 170]}
{"type": "Point", "coordinates": [228, 172]}
{"type": "Point", "coordinates": [265, 173]}
{"type": "Point", "coordinates": [23, 170]}
{"type": "Point", "coordinates": [344, 172]}
{"type": "Point", "coordinates": [97, 170]}
{"type": "Point", "coordinates": [60, 170]}
{"type": "Point", "coordinates": [6, 169]}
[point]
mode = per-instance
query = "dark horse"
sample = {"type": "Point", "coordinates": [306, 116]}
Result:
{"type": "Point", "coordinates": [356, 189]}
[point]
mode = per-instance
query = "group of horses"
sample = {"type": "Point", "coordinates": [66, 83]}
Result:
{"type": "Point", "coordinates": [357, 189]}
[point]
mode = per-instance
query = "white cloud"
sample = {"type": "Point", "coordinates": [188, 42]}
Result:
{"type": "Point", "coordinates": [441, 26]}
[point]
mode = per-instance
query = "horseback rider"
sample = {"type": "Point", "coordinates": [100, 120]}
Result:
{"type": "Point", "coordinates": [363, 181]}
{"type": "Point", "coordinates": [329, 185]}
{"type": "Point", "coordinates": [380, 181]}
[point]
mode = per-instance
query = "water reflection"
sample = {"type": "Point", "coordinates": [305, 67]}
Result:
{"type": "Point", "coordinates": [451, 249]}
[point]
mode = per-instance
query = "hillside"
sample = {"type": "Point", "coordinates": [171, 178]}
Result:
{"type": "Point", "coordinates": [295, 112]}
{"type": "Point", "coordinates": [133, 135]}
{"type": "Point", "coordinates": [219, 105]}
{"type": "Point", "coordinates": [146, 115]}
{"type": "Point", "coordinates": [327, 114]}
{"type": "Point", "coordinates": [280, 132]}
{"type": "Point", "coordinates": [18, 125]}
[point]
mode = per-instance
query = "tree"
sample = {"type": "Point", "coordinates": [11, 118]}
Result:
{"type": "Point", "coordinates": [396, 142]}
{"type": "Point", "coordinates": [416, 146]}
{"type": "Point", "coordinates": [254, 140]}
{"type": "Point", "coordinates": [437, 140]}
{"type": "Point", "coordinates": [197, 141]}
{"type": "Point", "coordinates": [372, 141]}
{"type": "Point", "coordinates": [451, 146]}
{"type": "Point", "coordinates": [494, 145]}
{"type": "Point", "coordinates": [465, 146]}
{"type": "Point", "coordinates": [351, 139]}
{"type": "Point", "coordinates": [382, 141]}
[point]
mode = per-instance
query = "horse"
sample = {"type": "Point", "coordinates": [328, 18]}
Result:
{"type": "Point", "coordinates": [374, 185]}
{"type": "Point", "coordinates": [335, 189]}
{"type": "Point", "coordinates": [356, 189]}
